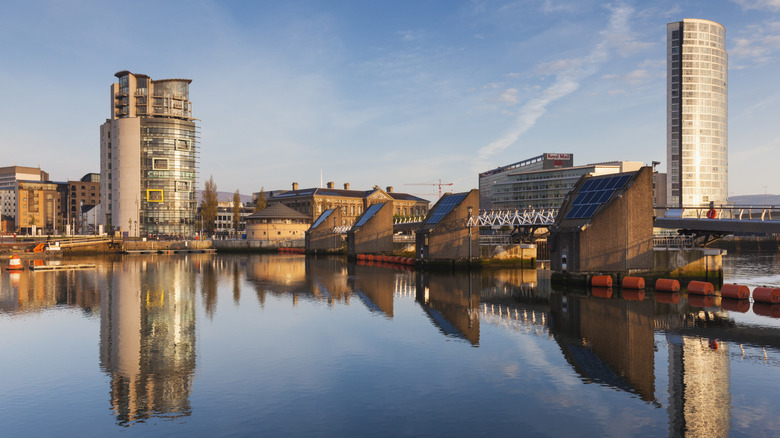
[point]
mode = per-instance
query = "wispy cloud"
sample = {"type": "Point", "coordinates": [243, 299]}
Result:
{"type": "Point", "coordinates": [569, 73]}
{"type": "Point", "coordinates": [771, 5]}
{"type": "Point", "coordinates": [410, 35]}
{"type": "Point", "coordinates": [757, 43]}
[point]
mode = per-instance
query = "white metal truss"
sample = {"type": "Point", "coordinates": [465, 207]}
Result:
{"type": "Point", "coordinates": [342, 229]}
{"type": "Point", "coordinates": [544, 217]}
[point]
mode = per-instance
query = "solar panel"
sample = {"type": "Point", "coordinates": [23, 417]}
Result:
{"type": "Point", "coordinates": [593, 193]}
{"type": "Point", "coordinates": [370, 212]}
{"type": "Point", "coordinates": [444, 207]}
{"type": "Point", "coordinates": [320, 219]}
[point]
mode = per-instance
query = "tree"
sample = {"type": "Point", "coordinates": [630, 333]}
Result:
{"type": "Point", "coordinates": [208, 206]}
{"type": "Point", "coordinates": [236, 211]}
{"type": "Point", "coordinates": [260, 202]}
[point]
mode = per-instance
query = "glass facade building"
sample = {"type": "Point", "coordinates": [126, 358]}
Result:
{"type": "Point", "coordinates": [697, 113]}
{"type": "Point", "coordinates": [149, 158]}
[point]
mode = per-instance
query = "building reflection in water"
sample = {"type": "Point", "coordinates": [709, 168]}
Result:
{"type": "Point", "coordinates": [28, 291]}
{"type": "Point", "coordinates": [147, 337]}
{"type": "Point", "coordinates": [451, 302]}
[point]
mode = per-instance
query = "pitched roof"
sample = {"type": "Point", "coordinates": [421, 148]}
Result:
{"type": "Point", "coordinates": [278, 211]}
{"type": "Point", "coordinates": [319, 191]}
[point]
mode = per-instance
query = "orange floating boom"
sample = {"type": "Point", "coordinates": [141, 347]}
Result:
{"type": "Point", "coordinates": [633, 283]}
{"type": "Point", "coordinates": [701, 288]}
{"type": "Point", "coordinates": [766, 295]}
{"type": "Point", "coordinates": [735, 291]}
{"type": "Point", "coordinates": [601, 281]}
{"type": "Point", "coordinates": [667, 285]}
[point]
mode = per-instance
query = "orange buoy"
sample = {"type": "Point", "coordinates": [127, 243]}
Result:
{"type": "Point", "coordinates": [766, 309]}
{"type": "Point", "coordinates": [667, 285]}
{"type": "Point", "coordinates": [701, 300]}
{"type": "Point", "coordinates": [735, 291]}
{"type": "Point", "coordinates": [734, 305]}
{"type": "Point", "coordinates": [633, 283]}
{"type": "Point", "coordinates": [633, 295]}
{"type": "Point", "coordinates": [601, 292]}
{"type": "Point", "coordinates": [601, 281]}
{"type": "Point", "coordinates": [667, 297]}
{"type": "Point", "coordinates": [767, 295]}
{"type": "Point", "coordinates": [712, 214]}
{"type": "Point", "coordinates": [701, 288]}
{"type": "Point", "coordinates": [15, 263]}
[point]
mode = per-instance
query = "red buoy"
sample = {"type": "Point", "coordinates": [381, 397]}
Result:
{"type": "Point", "coordinates": [601, 281]}
{"type": "Point", "coordinates": [735, 291]}
{"type": "Point", "coordinates": [701, 288]}
{"type": "Point", "coordinates": [633, 283]}
{"type": "Point", "coordinates": [667, 285]}
{"type": "Point", "coordinates": [767, 295]}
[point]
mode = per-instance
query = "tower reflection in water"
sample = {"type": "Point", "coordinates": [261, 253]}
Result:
{"type": "Point", "coordinates": [147, 337]}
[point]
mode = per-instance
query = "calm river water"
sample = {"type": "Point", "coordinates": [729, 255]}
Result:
{"type": "Point", "coordinates": [286, 345]}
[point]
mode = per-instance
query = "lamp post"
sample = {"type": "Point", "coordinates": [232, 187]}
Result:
{"type": "Point", "coordinates": [469, 227]}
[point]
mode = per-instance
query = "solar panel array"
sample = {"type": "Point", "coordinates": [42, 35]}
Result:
{"type": "Point", "coordinates": [444, 207]}
{"type": "Point", "coordinates": [322, 217]}
{"type": "Point", "coordinates": [370, 212]}
{"type": "Point", "coordinates": [593, 193]}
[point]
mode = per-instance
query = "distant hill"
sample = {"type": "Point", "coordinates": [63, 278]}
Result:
{"type": "Point", "coordinates": [755, 199]}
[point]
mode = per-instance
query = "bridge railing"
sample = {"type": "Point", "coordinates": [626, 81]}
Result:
{"type": "Point", "coordinates": [726, 212]}
{"type": "Point", "coordinates": [543, 217]}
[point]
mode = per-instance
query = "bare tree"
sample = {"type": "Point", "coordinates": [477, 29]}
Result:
{"type": "Point", "coordinates": [236, 211]}
{"type": "Point", "coordinates": [208, 206]}
{"type": "Point", "coordinates": [260, 202]}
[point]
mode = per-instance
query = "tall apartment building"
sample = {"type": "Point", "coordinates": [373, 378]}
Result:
{"type": "Point", "coordinates": [697, 113]}
{"type": "Point", "coordinates": [148, 157]}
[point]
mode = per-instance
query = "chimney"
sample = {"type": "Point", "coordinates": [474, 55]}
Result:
{"type": "Point", "coordinates": [346, 186]}
{"type": "Point", "coordinates": [330, 184]}
{"type": "Point", "coordinates": [295, 186]}
{"type": "Point", "coordinates": [389, 189]}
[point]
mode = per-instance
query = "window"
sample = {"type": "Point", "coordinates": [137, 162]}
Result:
{"type": "Point", "coordinates": [160, 163]}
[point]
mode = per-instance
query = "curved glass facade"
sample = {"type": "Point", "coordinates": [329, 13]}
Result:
{"type": "Point", "coordinates": [169, 172]}
{"type": "Point", "coordinates": [697, 113]}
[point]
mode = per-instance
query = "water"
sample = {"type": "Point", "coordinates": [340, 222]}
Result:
{"type": "Point", "coordinates": [295, 346]}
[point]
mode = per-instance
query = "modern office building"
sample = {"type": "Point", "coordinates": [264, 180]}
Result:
{"type": "Point", "coordinates": [10, 174]}
{"type": "Point", "coordinates": [148, 157]}
{"type": "Point", "coordinates": [535, 187]}
{"type": "Point", "coordinates": [489, 182]}
{"type": "Point", "coordinates": [697, 113]}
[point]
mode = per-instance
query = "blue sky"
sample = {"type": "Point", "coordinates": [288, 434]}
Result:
{"type": "Point", "coordinates": [382, 93]}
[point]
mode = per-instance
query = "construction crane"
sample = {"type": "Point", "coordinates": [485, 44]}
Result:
{"type": "Point", "coordinates": [431, 184]}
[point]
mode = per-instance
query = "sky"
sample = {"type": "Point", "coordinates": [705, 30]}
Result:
{"type": "Point", "coordinates": [388, 93]}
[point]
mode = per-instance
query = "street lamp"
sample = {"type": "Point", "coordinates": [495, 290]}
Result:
{"type": "Point", "coordinates": [469, 227]}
